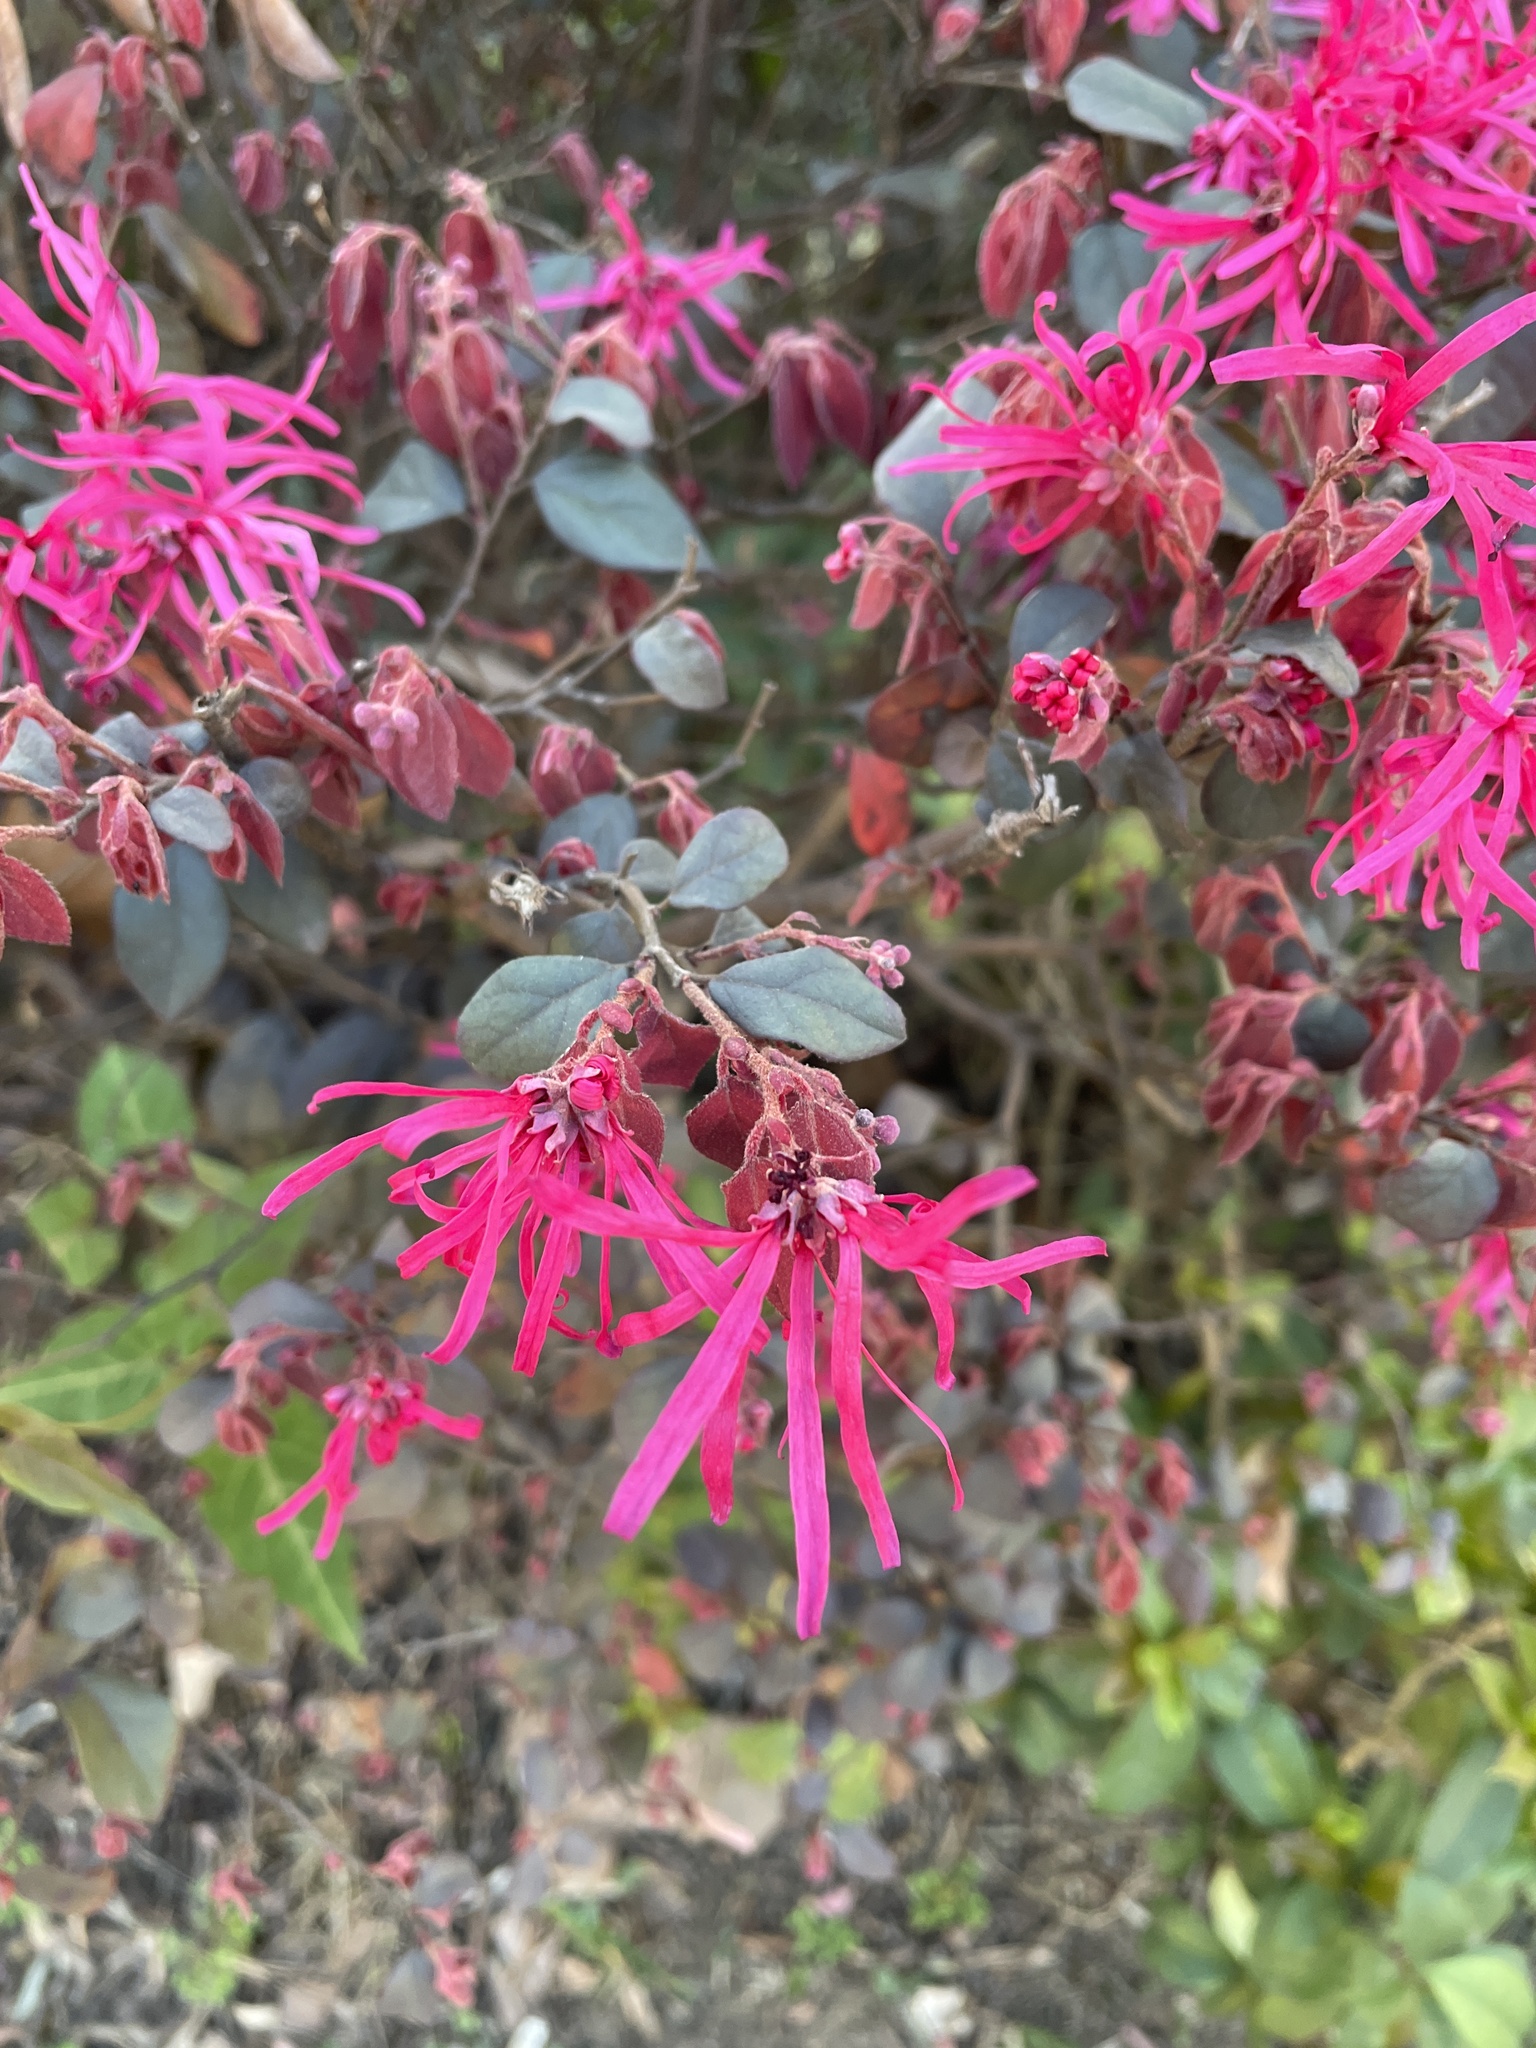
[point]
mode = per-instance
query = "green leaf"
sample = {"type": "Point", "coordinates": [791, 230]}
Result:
{"type": "Point", "coordinates": [527, 1014]}
{"type": "Point", "coordinates": [419, 486]}
{"type": "Point", "coordinates": [1442, 1195]}
{"type": "Point", "coordinates": [1239, 809]}
{"type": "Point", "coordinates": [613, 408]}
{"type": "Point", "coordinates": [244, 1489]}
{"type": "Point", "coordinates": [1486, 1995]}
{"type": "Point", "coordinates": [1114, 97]}
{"type": "Point", "coordinates": [126, 1738]}
{"type": "Point", "coordinates": [811, 998]}
{"type": "Point", "coordinates": [90, 1390]}
{"type": "Point", "coordinates": [1055, 618]}
{"type": "Point", "coordinates": [1224, 1675]}
{"type": "Point", "coordinates": [855, 1778]}
{"type": "Point", "coordinates": [55, 1469]}
{"type": "Point", "coordinates": [729, 861]}
{"type": "Point", "coordinates": [1267, 1767]}
{"type": "Point", "coordinates": [1181, 1945]}
{"type": "Point", "coordinates": [1302, 1946]}
{"type": "Point", "coordinates": [130, 1102]}
{"type": "Point", "coordinates": [767, 1752]}
{"type": "Point", "coordinates": [194, 816]}
{"type": "Point", "coordinates": [616, 512]}
{"type": "Point", "coordinates": [1472, 1820]}
{"type": "Point", "coordinates": [1234, 1916]}
{"type": "Point", "coordinates": [174, 952]}
{"type": "Point", "coordinates": [1434, 1918]}
{"type": "Point", "coordinates": [1143, 1767]}
{"type": "Point", "coordinates": [63, 1220]}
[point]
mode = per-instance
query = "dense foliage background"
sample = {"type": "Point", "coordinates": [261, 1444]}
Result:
{"type": "Point", "coordinates": [581, 658]}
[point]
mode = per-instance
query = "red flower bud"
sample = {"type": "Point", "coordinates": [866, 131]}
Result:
{"type": "Point", "coordinates": [683, 813]}
{"type": "Point", "coordinates": [307, 141]}
{"type": "Point", "coordinates": [1170, 1484]}
{"type": "Point", "coordinates": [1023, 247]}
{"type": "Point", "coordinates": [568, 857]}
{"type": "Point", "coordinates": [261, 178]}
{"type": "Point", "coordinates": [1117, 1567]}
{"type": "Point", "coordinates": [60, 121]}
{"type": "Point", "coordinates": [126, 834]}
{"type": "Point", "coordinates": [1036, 1451]}
{"type": "Point", "coordinates": [405, 899]}
{"type": "Point", "coordinates": [573, 160]}
{"type": "Point", "coordinates": [186, 21]}
{"type": "Point", "coordinates": [125, 69]}
{"type": "Point", "coordinates": [568, 764]}
{"type": "Point", "coordinates": [356, 295]}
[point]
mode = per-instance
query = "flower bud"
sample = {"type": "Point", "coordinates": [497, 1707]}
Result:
{"type": "Point", "coordinates": [186, 21]}
{"type": "Point", "coordinates": [256, 165]}
{"type": "Point", "coordinates": [307, 140]}
{"type": "Point", "coordinates": [126, 834]}
{"type": "Point", "coordinates": [125, 69]}
{"type": "Point", "coordinates": [1023, 247]}
{"type": "Point", "coordinates": [410, 732]}
{"type": "Point", "coordinates": [572, 159]}
{"type": "Point", "coordinates": [568, 764]}
{"type": "Point", "coordinates": [683, 813]}
{"type": "Point", "coordinates": [356, 295]}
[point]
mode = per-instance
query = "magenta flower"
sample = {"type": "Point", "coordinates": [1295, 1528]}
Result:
{"type": "Point", "coordinates": [1415, 110]}
{"type": "Point", "coordinates": [1487, 1288]}
{"type": "Point", "coordinates": [379, 1411]}
{"type": "Point", "coordinates": [655, 293]}
{"type": "Point", "coordinates": [821, 1228]}
{"type": "Point", "coordinates": [582, 1124]}
{"type": "Point", "coordinates": [1476, 474]}
{"type": "Point", "coordinates": [1071, 446]}
{"type": "Point", "coordinates": [1456, 795]}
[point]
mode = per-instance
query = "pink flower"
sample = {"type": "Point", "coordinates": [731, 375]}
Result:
{"type": "Point", "coordinates": [1070, 446]}
{"type": "Point", "coordinates": [1157, 17]}
{"type": "Point", "coordinates": [1457, 795]}
{"type": "Point", "coordinates": [1487, 1288]}
{"type": "Point", "coordinates": [656, 294]}
{"type": "Point", "coordinates": [378, 1411]}
{"type": "Point", "coordinates": [582, 1124]}
{"type": "Point", "coordinates": [1407, 109]}
{"type": "Point", "coordinates": [809, 1226]}
{"type": "Point", "coordinates": [1476, 474]}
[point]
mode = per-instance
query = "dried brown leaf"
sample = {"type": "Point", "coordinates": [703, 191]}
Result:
{"type": "Point", "coordinates": [137, 16]}
{"type": "Point", "coordinates": [291, 43]}
{"type": "Point", "coordinates": [15, 75]}
{"type": "Point", "coordinates": [220, 291]}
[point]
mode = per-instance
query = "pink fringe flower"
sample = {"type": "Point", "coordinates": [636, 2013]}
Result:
{"type": "Point", "coordinates": [378, 1412]}
{"type": "Point", "coordinates": [822, 1229]}
{"type": "Point", "coordinates": [1476, 474]}
{"type": "Point", "coordinates": [1071, 446]}
{"type": "Point", "coordinates": [657, 294]}
{"type": "Point", "coordinates": [580, 1125]}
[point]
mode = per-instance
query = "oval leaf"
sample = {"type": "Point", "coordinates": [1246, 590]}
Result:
{"type": "Point", "coordinates": [194, 816]}
{"type": "Point", "coordinates": [729, 861]}
{"type": "Point", "coordinates": [296, 911]}
{"type": "Point", "coordinates": [1114, 97]}
{"type": "Point", "coordinates": [126, 1739]}
{"type": "Point", "coordinates": [419, 486]}
{"type": "Point", "coordinates": [55, 1469]}
{"type": "Point", "coordinates": [1442, 1195]}
{"type": "Point", "coordinates": [1057, 619]}
{"type": "Point", "coordinates": [811, 998]}
{"type": "Point", "coordinates": [130, 1102]}
{"type": "Point", "coordinates": [525, 1016]}
{"type": "Point", "coordinates": [616, 512]}
{"type": "Point", "coordinates": [1107, 263]}
{"type": "Point", "coordinates": [681, 664]}
{"type": "Point", "coordinates": [1251, 503]}
{"type": "Point", "coordinates": [1485, 1994]}
{"type": "Point", "coordinates": [1267, 1767]}
{"type": "Point", "coordinates": [1240, 809]}
{"type": "Point", "coordinates": [603, 402]}
{"type": "Point", "coordinates": [173, 952]}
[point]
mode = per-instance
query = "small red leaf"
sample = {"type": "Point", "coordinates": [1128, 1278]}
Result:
{"type": "Point", "coordinates": [30, 907]}
{"type": "Point", "coordinates": [879, 804]}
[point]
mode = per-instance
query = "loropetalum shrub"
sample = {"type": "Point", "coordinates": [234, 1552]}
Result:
{"type": "Point", "coordinates": [1231, 570]}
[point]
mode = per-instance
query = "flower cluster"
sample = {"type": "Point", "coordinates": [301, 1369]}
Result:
{"type": "Point", "coordinates": [574, 1152]}
{"type": "Point", "coordinates": [1419, 110]}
